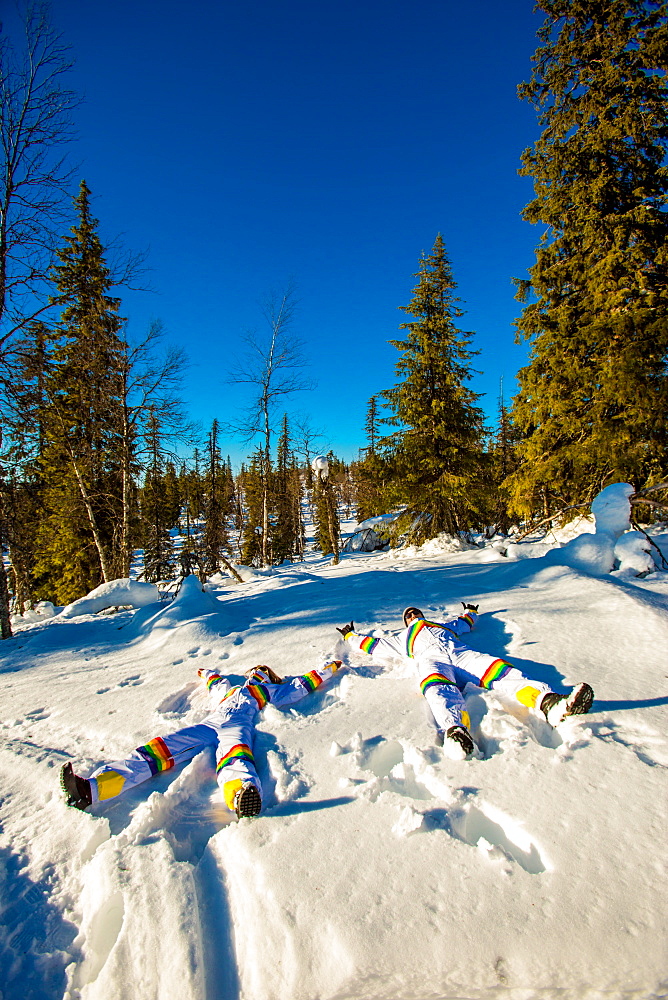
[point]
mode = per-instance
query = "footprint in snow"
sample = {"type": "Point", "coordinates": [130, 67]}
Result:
{"type": "Point", "coordinates": [648, 746]}
{"type": "Point", "coordinates": [38, 715]}
{"type": "Point", "coordinates": [130, 681]}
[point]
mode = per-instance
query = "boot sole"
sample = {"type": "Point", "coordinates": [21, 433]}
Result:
{"type": "Point", "coordinates": [249, 802]}
{"type": "Point", "coordinates": [582, 700]}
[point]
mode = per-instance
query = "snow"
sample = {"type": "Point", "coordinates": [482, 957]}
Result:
{"type": "Point", "coordinates": [379, 869]}
{"type": "Point", "coordinates": [633, 551]}
{"type": "Point", "coordinates": [114, 594]}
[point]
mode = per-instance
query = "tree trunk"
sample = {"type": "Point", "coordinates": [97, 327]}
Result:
{"type": "Point", "coordinates": [333, 523]}
{"type": "Point", "coordinates": [5, 620]}
{"type": "Point", "coordinates": [99, 545]}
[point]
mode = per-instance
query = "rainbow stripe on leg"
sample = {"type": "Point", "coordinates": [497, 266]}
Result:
{"type": "Point", "coordinates": [433, 679]}
{"type": "Point", "coordinates": [157, 755]}
{"type": "Point", "coordinates": [495, 671]}
{"type": "Point", "coordinates": [240, 751]}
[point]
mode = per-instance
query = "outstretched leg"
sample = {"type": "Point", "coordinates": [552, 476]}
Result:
{"type": "Point", "coordinates": [500, 676]}
{"type": "Point", "coordinates": [159, 754]}
{"type": "Point", "coordinates": [511, 685]}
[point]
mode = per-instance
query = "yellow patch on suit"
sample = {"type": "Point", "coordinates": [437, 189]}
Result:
{"type": "Point", "coordinates": [466, 720]}
{"type": "Point", "coordinates": [230, 789]}
{"type": "Point", "coordinates": [109, 784]}
{"type": "Point", "coordinates": [528, 696]}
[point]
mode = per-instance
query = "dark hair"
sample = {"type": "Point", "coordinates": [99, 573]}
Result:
{"type": "Point", "coordinates": [271, 674]}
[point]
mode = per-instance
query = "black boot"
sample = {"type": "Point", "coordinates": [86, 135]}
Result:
{"type": "Point", "coordinates": [461, 735]}
{"type": "Point", "coordinates": [77, 790]}
{"type": "Point", "coordinates": [557, 707]}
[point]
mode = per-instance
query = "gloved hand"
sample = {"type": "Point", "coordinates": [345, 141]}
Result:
{"type": "Point", "coordinates": [345, 629]}
{"type": "Point", "coordinates": [470, 607]}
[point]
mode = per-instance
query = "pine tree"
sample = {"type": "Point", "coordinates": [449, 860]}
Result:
{"type": "Point", "coordinates": [285, 529]}
{"type": "Point", "coordinates": [158, 514]}
{"type": "Point", "coordinates": [438, 458]}
{"type": "Point", "coordinates": [251, 482]}
{"type": "Point", "coordinates": [370, 474]}
{"type": "Point", "coordinates": [79, 539]}
{"type": "Point", "coordinates": [24, 421]}
{"type": "Point", "coordinates": [326, 501]}
{"type": "Point", "coordinates": [216, 505]}
{"type": "Point", "coordinates": [592, 401]}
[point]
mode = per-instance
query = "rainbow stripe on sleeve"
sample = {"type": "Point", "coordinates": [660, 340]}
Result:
{"type": "Point", "coordinates": [157, 755]}
{"type": "Point", "coordinates": [213, 679]}
{"type": "Point", "coordinates": [495, 671]}
{"type": "Point", "coordinates": [240, 751]}
{"type": "Point", "coordinates": [368, 643]}
{"type": "Point", "coordinates": [416, 628]}
{"type": "Point", "coordinates": [433, 679]}
{"type": "Point", "coordinates": [468, 619]}
{"type": "Point", "coordinates": [312, 680]}
{"type": "Point", "coordinates": [260, 693]}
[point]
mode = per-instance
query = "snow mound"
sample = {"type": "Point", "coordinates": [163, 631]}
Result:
{"type": "Point", "coordinates": [612, 510]}
{"type": "Point", "coordinates": [594, 554]}
{"type": "Point", "coordinates": [114, 594]}
{"type": "Point", "coordinates": [191, 612]}
{"type": "Point", "coordinates": [442, 544]}
{"type": "Point", "coordinates": [634, 552]}
{"type": "Point", "coordinates": [41, 612]}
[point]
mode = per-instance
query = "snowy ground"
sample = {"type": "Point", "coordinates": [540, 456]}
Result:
{"type": "Point", "coordinates": [379, 870]}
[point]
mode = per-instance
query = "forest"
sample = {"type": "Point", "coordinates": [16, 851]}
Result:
{"type": "Point", "coordinates": [101, 466]}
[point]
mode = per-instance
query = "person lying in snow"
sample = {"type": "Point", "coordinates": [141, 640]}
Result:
{"type": "Point", "coordinates": [445, 665]}
{"type": "Point", "coordinates": [230, 728]}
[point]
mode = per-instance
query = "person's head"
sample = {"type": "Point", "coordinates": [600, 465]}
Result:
{"type": "Point", "coordinates": [263, 674]}
{"type": "Point", "coordinates": [411, 615]}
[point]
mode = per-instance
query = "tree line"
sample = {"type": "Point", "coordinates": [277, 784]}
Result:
{"type": "Point", "coordinates": [94, 436]}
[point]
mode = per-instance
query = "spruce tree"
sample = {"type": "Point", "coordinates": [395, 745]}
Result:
{"type": "Point", "coordinates": [593, 399]}
{"type": "Point", "coordinates": [285, 542]}
{"type": "Point", "coordinates": [216, 505]}
{"type": "Point", "coordinates": [157, 512]}
{"type": "Point", "coordinates": [438, 459]}
{"type": "Point", "coordinates": [251, 483]}
{"type": "Point", "coordinates": [82, 461]}
{"type": "Point", "coordinates": [370, 474]}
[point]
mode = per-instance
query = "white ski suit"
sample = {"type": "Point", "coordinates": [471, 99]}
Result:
{"type": "Point", "coordinates": [445, 665]}
{"type": "Point", "coordinates": [230, 728]}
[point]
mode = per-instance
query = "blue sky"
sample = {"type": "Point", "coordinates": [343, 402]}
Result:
{"type": "Point", "coordinates": [249, 145]}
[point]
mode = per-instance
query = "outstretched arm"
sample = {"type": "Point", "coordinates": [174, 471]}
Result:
{"type": "Point", "coordinates": [294, 689]}
{"type": "Point", "coordinates": [371, 643]}
{"type": "Point", "coordinates": [465, 622]}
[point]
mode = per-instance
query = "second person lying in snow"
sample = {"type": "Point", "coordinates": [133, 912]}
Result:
{"type": "Point", "coordinates": [445, 665]}
{"type": "Point", "coordinates": [230, 728]}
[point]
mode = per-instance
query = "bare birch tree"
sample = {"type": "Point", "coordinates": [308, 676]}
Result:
{"type": "Point", "coordinates": [35, 126]}
{"type": "Point", "coordinates": [273, 366]}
